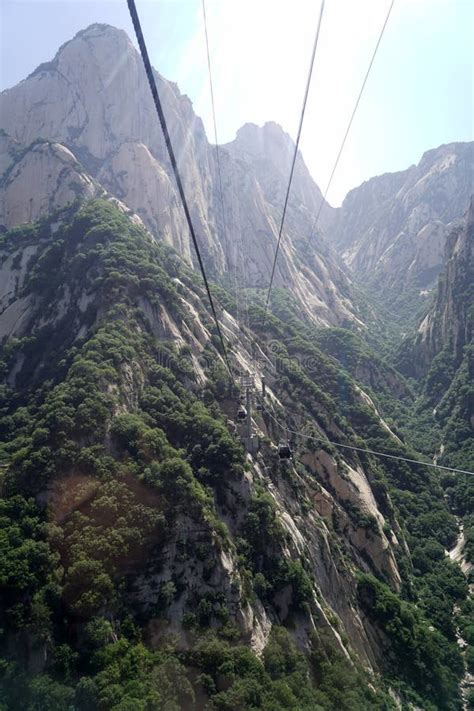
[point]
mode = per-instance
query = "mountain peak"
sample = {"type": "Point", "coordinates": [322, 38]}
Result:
{"type": "Point", "coordinates": [93, 34]}
{"type": "Point", "coordinates": [98, 31]}
{"type": "Point", "coordinates": [456, 148]}
{"type": "Point", "coordinates": [100, 28]}
{"type": "Point", "coordinates": [258, 139]}
{"type": "Point", "coordinates": [392, 229]}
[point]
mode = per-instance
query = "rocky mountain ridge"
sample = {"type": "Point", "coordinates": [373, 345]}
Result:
{"type": "Point", "coordinates": [392, 230]}
{"type": "Point", "coordinates": [78, 101]}
{"type": "Point", "coordinates": [57, 177]}
{"type": "Point", "coordinates": [449, 323]}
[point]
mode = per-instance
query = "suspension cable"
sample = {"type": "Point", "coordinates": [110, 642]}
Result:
{"type": "Point", "coordinates": [349, 125]}
{"type": "Point", "coordinates": [159, 109]}
{"type": "Point", "coordinates": [295, 155]}
{"type": "Point", "coordinates": [363, 449]}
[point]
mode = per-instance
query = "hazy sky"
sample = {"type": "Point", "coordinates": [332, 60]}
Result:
{"type": "Point", "coordinates": [419, 95]}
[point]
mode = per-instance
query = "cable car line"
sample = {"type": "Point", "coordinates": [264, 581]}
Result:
{"type": "Point", "coordinates": [159, 110]}
{"type": "Point", "coordinates": [349, 125]}
{"type": "Point", "coordinates": [162, 120]}
{"type": "Point", "coordinates": [295, 155]}
{"type": "Point", "coordinates": [365, 450]}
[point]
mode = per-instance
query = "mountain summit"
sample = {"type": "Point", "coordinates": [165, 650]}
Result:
{"type": "Point", "coordinates": [392, 230]}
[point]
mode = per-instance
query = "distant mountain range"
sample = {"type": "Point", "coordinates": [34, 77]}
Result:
{"type": "Point", "coordinates": [84, 123]}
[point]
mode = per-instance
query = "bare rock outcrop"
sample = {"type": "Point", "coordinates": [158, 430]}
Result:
{"type": "Point", "coordinates": [448, 323]}
{"type": "Point", "coordinates": [392, 230]}
{"type": "Point", "coordinates": [40, 179]}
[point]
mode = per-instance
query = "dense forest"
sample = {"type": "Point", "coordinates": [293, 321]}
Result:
{"type": "Point", "coordinates": [137, 534]}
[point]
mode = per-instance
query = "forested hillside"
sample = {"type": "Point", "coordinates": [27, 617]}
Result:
{"type": "Point", "coordinates": [147, 562]}
{"type": "Point", "coordinates": [441, 356]}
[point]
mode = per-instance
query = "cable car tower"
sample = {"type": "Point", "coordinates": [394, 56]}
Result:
{"type": "Point", "coordinates": [244, 414]}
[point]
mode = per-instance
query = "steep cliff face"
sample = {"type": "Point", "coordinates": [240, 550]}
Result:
{"type": "Point", "coordinates": [39, 179]}
{"type": "Point", "coordinates": [392, 230]}
{"type": "Point", "coordinates": [93, 99]}
{"type": "Point", "coordinates": [440, 355]}
{"type": "Point", "coordinates": [269, 151]}
{"type": "Point", "coordinates": [449, 323]}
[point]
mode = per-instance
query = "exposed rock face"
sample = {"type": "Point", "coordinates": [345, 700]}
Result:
{"type": "Point", "coordinates": [258, 172]}
{"type": "Point", "coordinates": [84, 287]}
{"type": "Point", "coordinates": [448, 323]}
{"type": "Point", "coordinates": [8, 150]}
{"type": "Point", "coordinates": [93, 98]}
{"type": "Point", "coordinates": [134, 174]}
{"type": "Point", "coordinates": [45, 176]}
{"type": "Point", "coordinates": [72, 307]}
{"type": "Point", "coordinates": [350, 486]}
{"type": "Point", "coordinates": [269, 151]}
{"type": "Point", "coordinates": [392, 229]}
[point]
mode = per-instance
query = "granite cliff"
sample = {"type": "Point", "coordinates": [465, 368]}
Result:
{"type": "Point", "coordinates": [392, 230]}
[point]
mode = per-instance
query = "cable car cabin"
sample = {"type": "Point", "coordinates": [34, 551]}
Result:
{"type": "Point", "coordinates": [258, 407]}
{"type": "Point", "coordinates": [241, 413]}
{"type": "Point", "coordinates": [284, 451]}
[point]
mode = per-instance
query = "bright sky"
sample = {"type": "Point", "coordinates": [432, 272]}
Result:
{"type": "Point", "coordinates": [420, 93]}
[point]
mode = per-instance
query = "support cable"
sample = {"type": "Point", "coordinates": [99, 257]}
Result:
{"type": "Point", "coordinates": [295, 155]}
{"type": "Point", "coordinates": [159, 109]}
{"type": "Point", "coordinates": [349, 125]}
{"type": "Point", "coordinates": [364, 450]}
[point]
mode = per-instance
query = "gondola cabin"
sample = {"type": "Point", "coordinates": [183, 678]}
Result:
{"type": "Point", "coordinates": [241, 413]}
{"type": "Point", "coordinates": [284, 451]}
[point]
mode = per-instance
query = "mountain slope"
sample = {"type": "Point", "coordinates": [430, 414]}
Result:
{"type": "Point", "coordinates": [441, 356]}
{"type": "Point", "coordinates": [39, 178]}
{"type": "Point", "coordinates": [392, 230]}
{"type": "Point", "coordinates": [144, 531]}
{"type": "Point", "coordinates": [449, 322]}
{"type": "Point", "coordinates": [443, 348]}
{"type": "Point", "coordinates": [148, 560]}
